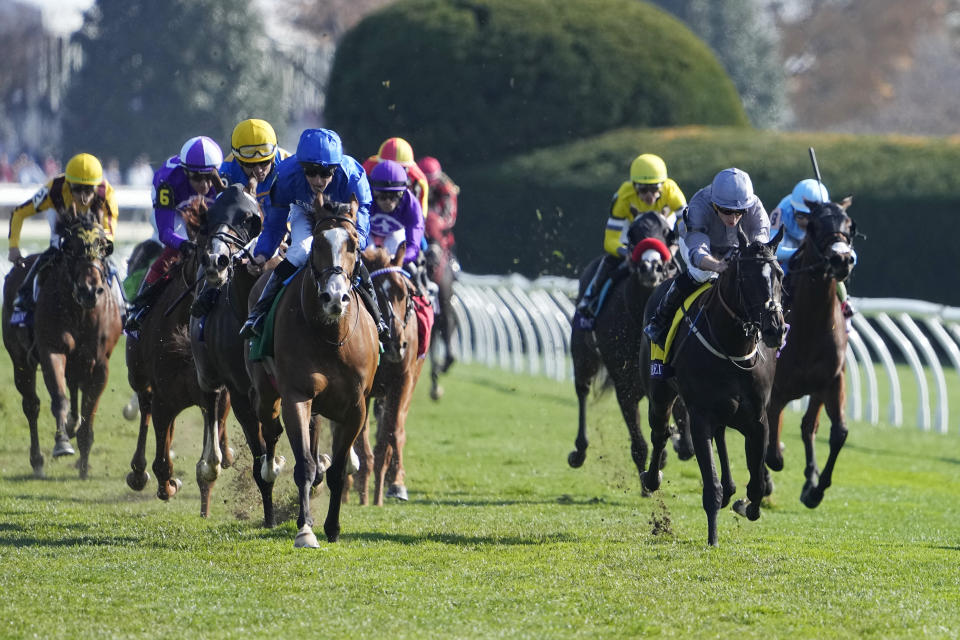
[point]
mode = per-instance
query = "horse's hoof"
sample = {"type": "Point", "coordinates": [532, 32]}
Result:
{"type": "Point", "coordinates": [650, 487]}
{"type": "Point", "coordinates": [39, 473]}
{"type": "Point", "coordinates": [63, 448]}
{"type": "Point", "coordinates": [207, 472]}
{"type": "Point", "coordinates": [768, 488]}
{"type": "Point", "coordinates": [775, 462]}
{"type": "Point", "coordinates": [305, 539]}
{"type": "Point", "coordinates": [576, 458]}
{"type": "Point", "coordinates": [270, 471]}
{"type": "Point", "coordinates": [83, 467]}
{"type": "Point", "coordinates": [436, 392]}
{"type": "Point", "coordinates": [397, 491]}
{"type": "Point", "coordinates": [353, 463]}
{"type": "Point", "coordinates": [811, 496]}
{"type": "Point", "coordinates": [727, 494]}
{"type": "Point", "coordinates": [227, 458]}
{"type": "Point", "coordinates": [740, 507]}
{"type": "Point", "coordinates": [137, 481]}
{"type": "Point", "coordinates": [130, 411]}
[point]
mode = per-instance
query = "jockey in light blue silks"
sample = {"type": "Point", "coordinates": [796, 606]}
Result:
{"type": "Point", "coordinates": [712, 222]}
{"type": "Point", "coordinates": [318, 166]}
{"type": "Point", "coordinates": [793, 215]}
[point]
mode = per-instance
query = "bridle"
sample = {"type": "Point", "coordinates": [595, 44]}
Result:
{"type": "Point", "coordinates": [821, 262]}
{"type": "Point", "coordinates": [408, 307]}
{"type": "Point", "coordinates": [321, 276]}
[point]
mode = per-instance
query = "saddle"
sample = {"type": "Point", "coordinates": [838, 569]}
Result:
{"type": "Point", "coordinates": [659, 356]}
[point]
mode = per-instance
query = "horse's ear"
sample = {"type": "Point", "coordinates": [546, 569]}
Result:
{"type": "Point", "coordinates": [742, 238]}
{"type": "Point", "coordinates": [253, 225]}
{"type": "Point", "coordinates": [399, 255]}
{"type": "Point", "coordinates": [773, 244]}
{"type": "Point", "coordinates": [846, 202]}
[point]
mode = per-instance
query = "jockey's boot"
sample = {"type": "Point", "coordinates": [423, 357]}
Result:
{"type": "Point", "coordinates": [587, 306]}
{"type": "Point", "coordinates": [23, 304]}
{"type": "Point", "coordinates": [253, 327]}
{"type": "Point", "coordinates": [369, 296]}
{"type": "Point", "coordinates": [681, 287]}
{"type": "Point", "coordinates": [147, 295]}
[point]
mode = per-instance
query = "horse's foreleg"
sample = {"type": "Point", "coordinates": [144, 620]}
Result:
{"type": "Point", "coordinates": [223, 410]}
{"type": "Point", "coordinates": [54, 377]}
{"type": "Point", "coordinates": [755, 443]}
{"type": "Point", "coordinates": [834, 401]}
{"type": "Point", "coordinates": [808, 431]}
{"type": "Point", "coordinates": [383, 449]}
{"type": "Point", "coordinates": [208, 466]}
{"type": "Point", "coordinates": [712, 491]}
{"type": "Point", "coordinates": [296, 417]}
{"type": "Point", "coordinates": [660, 399]}
{"type": "Point", "coordinates": [774, 455]}
{"type": "Point", "coordinates": [167, 485]}
{"type": "Point", "coordinates": [683, 443]}
{"type": "Point", "coordinates": [365, 453]}
{"type": "Point", "coordinates": [728, 486]}
{"type": "Point", "coordinates": [25, 379]}
{"type": "Point", "coordinates": [344, 435]}
{"type": "Point", "coordinates": [92, 389]}
{"type": "Point", "coordinates": [629, 399]}
{"type": "Point", "coordinates": [74, 418]}
{"type": "Point", "coordinates": [138, 477]}
{"type": "Point", "coordinates": [265, 469]}
{"type": "Point", "coordinates": [585, 368]}
{"type": "Point", "coordinates": [397, 474]}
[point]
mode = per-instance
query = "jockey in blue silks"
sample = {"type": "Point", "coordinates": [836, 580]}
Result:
{"type": "Point", "coordinates": [318, 166]}
{"type": "Point", "coordinates": [793, 215]}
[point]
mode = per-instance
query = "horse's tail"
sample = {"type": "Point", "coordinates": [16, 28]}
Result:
{"type": "Point", "coordinates": [180, 345]}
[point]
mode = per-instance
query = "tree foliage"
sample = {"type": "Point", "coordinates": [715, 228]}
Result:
{"type": "Point", "coordinates": [746, 42]}
{"type": "Point", "coordinates": [157, 73]}
{"type": "Point", "coordinates": [476, 79]}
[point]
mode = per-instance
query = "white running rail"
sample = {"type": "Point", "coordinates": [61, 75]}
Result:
{"type": "Point", "coordinates": [514, 323]}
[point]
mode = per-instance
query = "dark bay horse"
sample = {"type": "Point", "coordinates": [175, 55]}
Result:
{"type": "Point", "coordinates": [813, 360]}
{"type": "Point", "coordinates": [326, 350]}
{"type": "Point", "coordinates": [161, 370]}
{"type": "Point", "coordinates": [76, 326]}
{"type": "Point", "coordinates": [233, 221]}
{"type": "Point", "coordinates": [396, 377]}
{"type": "Point", "coordinates": [442, 270]}
{"type": "Point", "coordinates": [615, 340]}
{"type": "Point", "coordinates": [724, 358]}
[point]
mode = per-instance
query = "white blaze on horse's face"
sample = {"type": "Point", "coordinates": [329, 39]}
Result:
{"type": "Point", "coordinates": [337, 286]}
{"type": "Point", "coordinates": [217, 261]}
{"type": "Point", "coordinates": [841, 248]}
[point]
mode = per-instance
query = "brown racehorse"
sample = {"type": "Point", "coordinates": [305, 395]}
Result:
{"type": "Point", "coordinates": [326, 349]}
{"type": "Point", "coordinates": [812, 362]}
{"type": "Point", "coordinates": [396, 377]}
{"type": "Point", "coordinates": [161, 370]}
{"type": "Point", "coordinates": [724, 356]}
{"type": "Point", "coordinates": [76, 326]}
{"type": "Point", "coordinates": [442, 269]}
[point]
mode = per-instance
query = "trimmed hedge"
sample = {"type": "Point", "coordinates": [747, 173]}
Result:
{"type": "Point", "coordinates": [478, 79]}
{"type": "Point", "coordinates": [544, 212]}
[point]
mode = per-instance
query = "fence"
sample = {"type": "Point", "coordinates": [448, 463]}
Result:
{"type": "Point", "coordinates": [524, 326]}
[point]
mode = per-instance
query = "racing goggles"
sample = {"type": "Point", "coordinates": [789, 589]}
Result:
{"type": "Point", "coordinates": [727, 211]}
{"type": "Point", "coordinates": [255, 152]}
{"type": "Point", "coordinates": [388, 195]}
{"type": "Point", "coordinates": [647, 188]}
{"type": "Point", "coordinates": [323, 170]}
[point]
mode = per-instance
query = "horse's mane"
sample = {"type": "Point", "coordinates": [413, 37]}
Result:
{"type": "Point", "coordinates": [377, 257]}
{"type": "Point", "coordinates": [194, 214]}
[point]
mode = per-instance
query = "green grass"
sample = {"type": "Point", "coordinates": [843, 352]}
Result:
{"type": "Point", "coordinates": [500, 537]}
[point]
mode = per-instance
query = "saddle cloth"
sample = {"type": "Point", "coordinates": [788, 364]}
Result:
{"type": "Point", "coordinates": [658, 354]}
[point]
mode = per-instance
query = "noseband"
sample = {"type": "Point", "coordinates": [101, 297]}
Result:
{"type": "Point", "coordinates": [822, 263]}
{"type": "Point", "coordinates": [409, 310]}
{"type": "Point", "coordinates": [750, 326]}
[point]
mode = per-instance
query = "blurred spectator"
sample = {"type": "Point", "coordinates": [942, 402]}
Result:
{"type": "Point", "coordinates": [112, 171]}
{"type": "Point", "coordinates": [28, 171]}
{"type": "Point", "coordinates": [51, 166]}
{"type": "Point", "coordinates": [140, 174]}
{"type": "Point", "coordinates": [6, 170]}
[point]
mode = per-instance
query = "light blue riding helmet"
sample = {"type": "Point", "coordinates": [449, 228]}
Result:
{"type": "Point", "coordinates": [319, 146]}
{"type": "Point", "coordinates": [808, 189]}
{"type": "Point", "coordinates": [732, 189]}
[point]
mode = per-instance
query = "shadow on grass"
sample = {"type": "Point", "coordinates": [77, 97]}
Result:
{"type": "Point", "coordinates": [898, 453]}
{"type": "Point", "coordinates": [564, 499]}
{"type": "Point", "coordinates": [459, 540]}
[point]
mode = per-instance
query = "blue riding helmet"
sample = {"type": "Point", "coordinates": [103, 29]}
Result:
{"type": "Point", "coordinates": [808, 189]}
{"type": "Point", "coordinates": [733, 189]}
{"type": "Point", "coordinates": [319, 146]}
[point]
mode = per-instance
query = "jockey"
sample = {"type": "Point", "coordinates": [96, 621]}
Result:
{"type": "Point", "coordinates": [395, 202]}
{"type": "Point", "coordinates": [399, 150]}
{"type": "Point", "coordinates": [254, 154]}
{"type": "Point", "coordinates": [793, 215]}
{"type": "Point", "coordinates": [649, 189]}
{"type": "Point", "coordinates": [82, 184]}
{"type": "Point", "coordinates": [192, 173]}
{"type": "Point", "coordinates": [318, 166]}
{"type": "Point", "coordinates": [442, 203]}
{"type": "Point", "coordinates": [712, 221]}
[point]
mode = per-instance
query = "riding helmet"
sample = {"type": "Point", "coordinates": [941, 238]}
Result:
{"type": "Point", "coordinates": [319, 146]}
{"type": "Point", "coordinates": [732, 189]}
{"type": "Point", "coordinates": [84, 168]}
{"type": "Point", "coordinates": [648, 169]}
{"type": "Point", "coordinates": [201, 155]}
{"type": "Point", "coordinates": [388, 176]}
{"type": "Point", "coordinates": [254, 141]}
{"type": "Point", "coordinates": [808, 189]}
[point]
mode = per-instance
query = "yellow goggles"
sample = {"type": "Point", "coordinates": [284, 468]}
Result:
{"type": "Point", "coordinates": [256, 152]}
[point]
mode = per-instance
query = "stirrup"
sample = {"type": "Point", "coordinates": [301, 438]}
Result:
{"type": "Point", "coordinates": [252, 328]}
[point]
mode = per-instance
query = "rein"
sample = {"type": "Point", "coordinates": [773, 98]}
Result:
{"type": "Point", "coordinates": [321, 275]}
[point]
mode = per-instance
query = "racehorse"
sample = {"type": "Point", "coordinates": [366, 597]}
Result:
{"type": "Point", "coordinates": [442, 270]}
{"type": "Point", "coordinates": [161, 371]}
{"type": "Point", "coordinates": [232, 222]}
{"type": "Point", "coordinates": [615, 339]}
{"type": "Point", "coordinates": [396, 377]}
{"type": "Point", "coordinates": [326, 349]}
{"type": "Point", "coordinates": [813, 360]}
{"type": "Point", "coordinates": [724, 364]}
{"type": "Point", "coordinates": [76, 326]}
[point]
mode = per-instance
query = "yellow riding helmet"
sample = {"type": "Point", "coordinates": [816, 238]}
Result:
{"type": "Point", "coordinates": [648, 169]}
{"type": "Point", "coordinates": [254, 141]}
{"type": "Point", "coordinates": [398, 150]}
{"type": "Point", "coordinates": [84, 168]}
